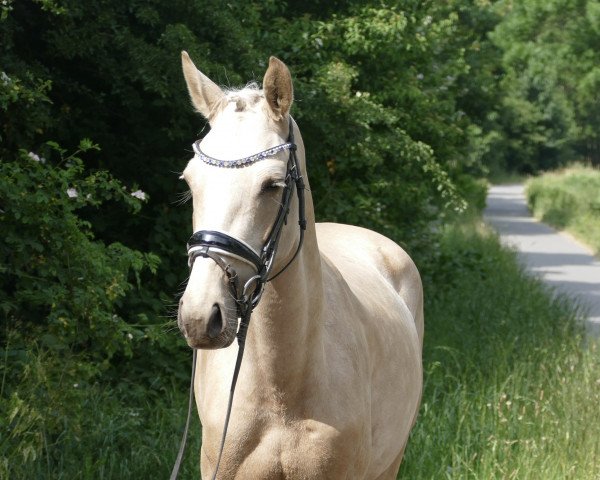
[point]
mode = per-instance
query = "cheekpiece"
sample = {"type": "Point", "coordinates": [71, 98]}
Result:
{"type": "Point", "coordinates": [241, 162]}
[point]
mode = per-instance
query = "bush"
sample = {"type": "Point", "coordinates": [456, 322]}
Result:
{"type": "Point", "coordinates": [61, 293]}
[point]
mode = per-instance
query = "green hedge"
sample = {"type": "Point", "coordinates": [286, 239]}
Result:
{"type": "Point", "coordinates": [570, 200]}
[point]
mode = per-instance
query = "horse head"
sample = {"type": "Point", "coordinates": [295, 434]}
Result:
{"type": "Point", "coordinates": [239, 178]}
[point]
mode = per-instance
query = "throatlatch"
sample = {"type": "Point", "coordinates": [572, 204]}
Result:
{"type": "Point", "coordinates": [219, 246]}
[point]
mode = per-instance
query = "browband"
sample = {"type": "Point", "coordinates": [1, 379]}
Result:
{"type": "Point", "coordinates": [240, 162]}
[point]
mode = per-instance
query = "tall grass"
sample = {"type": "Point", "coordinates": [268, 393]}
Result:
{"type": "Point", "coordinates": [569, 199]}
{"type": "Point", "coordinates": [70, 431]}
{"type": "Point", "coordinates": [510, 390]}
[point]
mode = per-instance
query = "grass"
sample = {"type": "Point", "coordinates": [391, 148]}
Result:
{"type": "Point", "coordinates": [509, 391]}
{"type": "Point", "coordinates": [92, 431]}
{"type": "Point", "coordinates": [569, 199]}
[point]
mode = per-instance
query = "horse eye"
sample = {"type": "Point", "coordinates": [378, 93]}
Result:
{"type": "Point", "coordinates": [271, 186]}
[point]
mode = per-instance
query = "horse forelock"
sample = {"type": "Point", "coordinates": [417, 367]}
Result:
{"type": "Point", "coordinates": [245, 97]}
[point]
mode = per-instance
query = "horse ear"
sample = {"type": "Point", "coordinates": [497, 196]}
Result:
{"type": "Point", "coordinates": [205, 94]}
{"type": "Point", "coordinates": [278, 89]}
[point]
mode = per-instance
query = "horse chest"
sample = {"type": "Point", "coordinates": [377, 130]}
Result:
{"type": "Point", "coordinates": [303, 450]}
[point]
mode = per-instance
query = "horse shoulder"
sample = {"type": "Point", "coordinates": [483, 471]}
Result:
{"type": "Point", "coordinates": [351, 248]}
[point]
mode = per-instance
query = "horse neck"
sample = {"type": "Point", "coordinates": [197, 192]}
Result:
{"type": "Point", "coordinates": [284, 341]}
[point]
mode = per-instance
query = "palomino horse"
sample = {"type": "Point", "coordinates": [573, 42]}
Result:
{"type": "Point", "coordinates": [331, 381]}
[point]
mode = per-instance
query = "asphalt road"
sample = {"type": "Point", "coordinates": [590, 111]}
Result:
{"type": "Point", "coordinates": [562, 262]}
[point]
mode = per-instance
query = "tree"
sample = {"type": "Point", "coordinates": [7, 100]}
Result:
{"type": "Point", "coordinates": [549, 111]}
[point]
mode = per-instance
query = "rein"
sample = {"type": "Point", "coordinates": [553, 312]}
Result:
{"type": "Point", "coordinates": [214, 245]}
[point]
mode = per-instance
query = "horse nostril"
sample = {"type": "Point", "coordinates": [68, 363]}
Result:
{"type": "Point", "coordinates": [215, 322]}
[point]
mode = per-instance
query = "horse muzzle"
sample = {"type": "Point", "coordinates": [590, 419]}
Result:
{"type": "Point", "coordinates": [207, 328]}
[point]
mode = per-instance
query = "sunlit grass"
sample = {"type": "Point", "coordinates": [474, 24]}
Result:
{"type": "Point", "coordinates": [510, 389]}
{"type": "Point", "coordinates": [569, 199]}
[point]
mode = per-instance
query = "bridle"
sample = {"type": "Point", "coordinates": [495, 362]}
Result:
{"type": "Point", "coordinates": [220, 246]}
{"type": "Point", "coordinates": [214, 244]}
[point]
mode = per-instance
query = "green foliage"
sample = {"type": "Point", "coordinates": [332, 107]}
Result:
{"type": "Point", "coordinates": [474, 191]}
{"type": "Point", "coordinates": [61, 293]}
{"type": "Point", "coordinates": [549, 107]}
{"type": "Point", "coordinates": [380, 152]}
{"type": "Point", "coordinates": [54, 275]}
{"type": "Point", "coordinates": [26, 106]}
{"type": "Point", "coordinates": [364, 88]}
{"type": "Point", "coordinates": [570, 200]}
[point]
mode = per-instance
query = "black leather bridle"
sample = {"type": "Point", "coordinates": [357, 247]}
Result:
{"type": "Point", "coordinates": [220, 247]}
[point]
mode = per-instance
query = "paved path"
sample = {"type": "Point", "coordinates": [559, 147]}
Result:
{"type": "Point", "coordinates": [558, 259]}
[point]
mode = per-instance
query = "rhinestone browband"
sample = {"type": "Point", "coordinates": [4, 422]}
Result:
{"type": "Point", "coordinates": [241, 162]}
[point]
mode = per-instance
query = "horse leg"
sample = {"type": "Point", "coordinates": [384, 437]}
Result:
{"type": "Point", "coordinates": [392, 471]}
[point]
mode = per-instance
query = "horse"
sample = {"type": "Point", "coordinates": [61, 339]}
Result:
{"type": "Point", "coordinates": [331, 381]}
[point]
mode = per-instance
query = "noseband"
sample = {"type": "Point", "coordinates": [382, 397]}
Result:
{"type": "Point", "coordinates": [219, 246]}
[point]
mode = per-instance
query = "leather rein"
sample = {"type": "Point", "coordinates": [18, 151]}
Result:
{"type": "Point", "coordinates": [220, 246]}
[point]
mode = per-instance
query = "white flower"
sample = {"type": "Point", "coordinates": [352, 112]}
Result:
{"type": "Point", "coordinates": [130, 336]}
{"type": "Point", "coordinates": [36, 158]}
{"type": "Point", "coordinates": [72, 193]}
{"type": "Point", "coordinates": [139, 194]}
{"type": "Point", "coordinates": [6, 80]}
